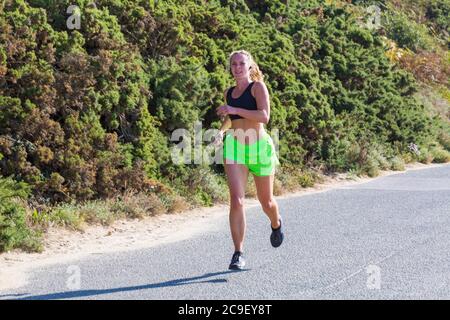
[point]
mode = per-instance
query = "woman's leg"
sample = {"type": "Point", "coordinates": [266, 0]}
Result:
{"type": "Point", "coordinates": [237, 175]}
{"type": "Point", "coordinates": [264, 190]}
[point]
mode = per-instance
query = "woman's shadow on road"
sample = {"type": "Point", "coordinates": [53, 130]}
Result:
{"type": "Point", "coordinates": [171, 283]}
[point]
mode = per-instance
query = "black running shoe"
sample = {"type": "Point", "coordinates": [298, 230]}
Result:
{"type": "Point", "coordinates": [277, 236]}
{"type": "Point", "coordinates": [237, 261]}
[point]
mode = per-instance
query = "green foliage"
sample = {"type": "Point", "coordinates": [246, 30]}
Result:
{"type": "Point", "coordinates": [141, 205]}
{"type": "Point", "coordinates": [406, 32]}
{"type": "Point", "coordinates": [87, 100]}
{"type": "Point", "coordinates": [426, 16]}
{"type": "Point", "coordinates": [397, 164]}
{"type": "Point", "coordinates": [14, 231]}
{"type": "Point", "coordinates": [201, 183]}
{"type": "Point", "coordinates": [438, 12]}
{"type": "Point", "coordinates": [425, 156]}
{"type": "Point", "coordinates": [306, 180]}
{"type": "Point", "coordinates": [180, 92]}
{"type": "Point", "coordinates": [87, 114]}
{"type": "Point", "coordinates": [440, 155]}
{"type": "Point", "coordinates": [444, 138]}
{"type": "Point", "coordinates": [67, 216]}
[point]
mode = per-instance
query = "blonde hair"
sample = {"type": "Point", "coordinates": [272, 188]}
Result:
{"type": "Point", "coordinates": [255, 73]}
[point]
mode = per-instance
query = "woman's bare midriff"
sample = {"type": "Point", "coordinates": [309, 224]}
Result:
{"type": "Point", "coordinates": [247, 131]}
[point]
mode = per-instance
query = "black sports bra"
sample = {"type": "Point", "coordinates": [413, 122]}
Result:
{"type": "Point", "coordinates": [245, 101]}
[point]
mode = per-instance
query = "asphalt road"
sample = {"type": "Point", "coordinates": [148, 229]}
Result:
{"type": "Point", "coordinates": [385, 239]}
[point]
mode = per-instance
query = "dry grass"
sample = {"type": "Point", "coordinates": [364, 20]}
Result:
{"type": "Point", "coordinates": [428, 67]}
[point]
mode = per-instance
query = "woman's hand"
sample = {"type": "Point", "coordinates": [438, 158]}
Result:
{"type": "Point", "coordinates": [218, 139]}
{"type": "Point", "coordinates": [225, 110]}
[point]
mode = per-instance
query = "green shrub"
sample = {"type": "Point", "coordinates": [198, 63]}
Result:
{"type": "Point", "coordinates": [202, 198]}
{"type": "Point", "coordinates": [342, 155]}
{"type": "Point", "coordinates": [201, 183]}
{"type": "Point", "coordinates": [14, 230]}
{"type": "Point", "coordinates": [406, 32]}
{"type": "Point", "coordinates": [371, 168]}
{"type": "Point", "coordinates": [440, 155]}
{"type": "Point", "coordinates": [409, 157]}
{"type": "Point", "coordinates": [139, 205]}
{"type": "Point", "coordinates": [425, 156]}
{"type": "Point", "coordinates": [444, 139]}
{"type": "Point", "coordinates": [174, 203]}
{"type": "Point", "coordinates": [397, 164]}
{"type": "Point", "coordinates": [306, 180]}
{"type": "Point", "coordinates": [97, 212]}
{"type": "Point", "coordinates": [379, 154]}
{"type": "Point", "coordinates": [438, 13]}
{"type": "Point", "coordinates": [105, 99]}
{"type": "Point", "coordinates": [353, 174]}
{"type": "Point", "coordinates": [291, 178]}
{"type": "Point", "coordinates": [67, 215]}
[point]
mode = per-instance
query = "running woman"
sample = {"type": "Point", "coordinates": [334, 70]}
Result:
{"type": "Point", "coordinates": [248, 148]}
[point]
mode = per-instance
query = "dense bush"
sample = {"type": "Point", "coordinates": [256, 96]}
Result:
{"type": "Point", "coordinates": [88, 113]}
{"type": "Point", "coordinates": [74, 114]}
{"type": "Point", "coordinates": [406, 32]}
{"type": "Point", "coordinates": [14, 229]}
{"type": "Point", "coordinates": [438, 13]}
{"type": "Point", "coordinates": [425, 16]}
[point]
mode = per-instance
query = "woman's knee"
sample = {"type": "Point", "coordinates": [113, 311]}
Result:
{"type": "Point", "coordinates": [268, 204]}
{"type": "Point", "coordinates": [237, 201]}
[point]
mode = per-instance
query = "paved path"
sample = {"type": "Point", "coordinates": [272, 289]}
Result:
{"type": "Point", "coordinates": [385, 239]}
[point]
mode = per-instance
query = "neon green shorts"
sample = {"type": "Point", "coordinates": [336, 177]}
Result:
{"type": "Point", "coordinates": [259, 157]}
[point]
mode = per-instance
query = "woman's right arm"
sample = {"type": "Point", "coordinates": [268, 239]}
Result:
{"type": "Point", "coordinates": [226, 123]}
